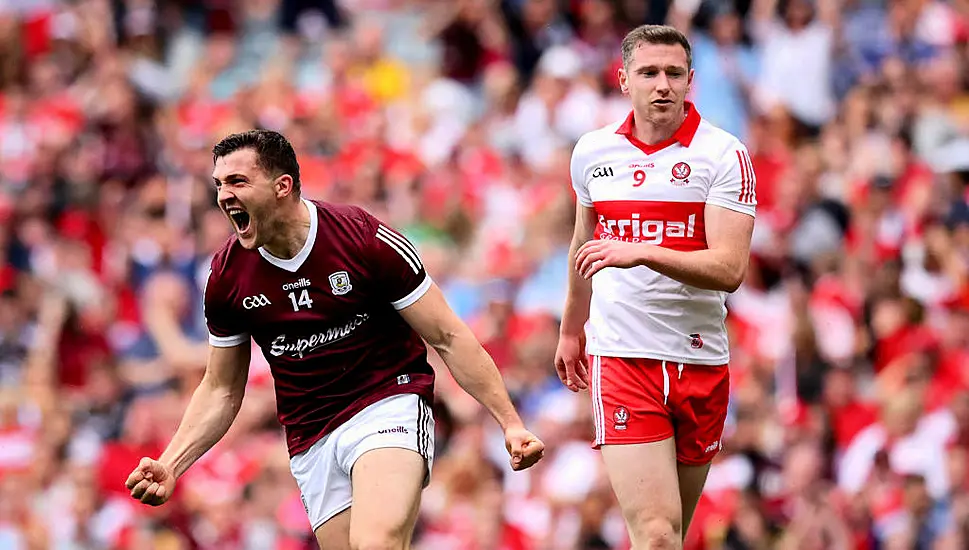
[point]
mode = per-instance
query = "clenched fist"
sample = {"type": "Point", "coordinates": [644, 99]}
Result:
{"type": "Point", "coordinates": [525, 449]}
{"type": "Point", "coordinates": [151, 482]}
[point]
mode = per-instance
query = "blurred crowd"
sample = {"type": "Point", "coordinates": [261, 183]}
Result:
{"type": "Point", "coordinates": [453, 120]}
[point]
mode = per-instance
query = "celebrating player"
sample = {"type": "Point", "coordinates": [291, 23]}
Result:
{"type": "Point", "coordinates": [665, 213]}
{"type": "Point", "coordinates": [339, 303]}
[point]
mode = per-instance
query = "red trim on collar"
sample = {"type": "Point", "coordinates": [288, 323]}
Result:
{"type": "Point", "coordinates": [683, 135]}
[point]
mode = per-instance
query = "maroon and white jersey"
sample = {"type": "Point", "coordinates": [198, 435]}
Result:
{"type": "Point", "coordinates": [327, 319]}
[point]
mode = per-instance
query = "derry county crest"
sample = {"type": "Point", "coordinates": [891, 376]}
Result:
{"type": "Point", "coordinates": [621, 416]}
{"type": "Point", "coordinates": [681, 174]}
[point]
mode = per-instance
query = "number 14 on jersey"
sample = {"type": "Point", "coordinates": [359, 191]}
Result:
{"type": "Point", "coordinates": [303, 300]}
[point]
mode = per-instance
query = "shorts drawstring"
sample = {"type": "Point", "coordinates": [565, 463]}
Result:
{"type": "Point", "coordinates": [666, 384]}
{"type": "Point", "coordinates": [666, 380]}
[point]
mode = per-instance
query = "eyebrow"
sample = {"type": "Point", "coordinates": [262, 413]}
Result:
{"type": "Point", "coordinates": [231, 177]}
{"type": "Point", "coordinates": [645, 68]}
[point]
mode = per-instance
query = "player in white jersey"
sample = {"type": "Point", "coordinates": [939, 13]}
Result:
{"type": "Point", "coordinates": [665, 212]}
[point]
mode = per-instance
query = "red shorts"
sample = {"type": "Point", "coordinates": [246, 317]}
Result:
{"type": "Point", "coordinates": [646, 400]}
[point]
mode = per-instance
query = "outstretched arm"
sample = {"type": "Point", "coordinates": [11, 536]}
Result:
{"type": "Point", "coordinates": [473, 369]}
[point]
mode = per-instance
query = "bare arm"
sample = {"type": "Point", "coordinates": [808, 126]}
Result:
{"type": "Point", "coordinates": [576, 311]}
{"type": "Point", "coordinates": [762, 16]}
{"type": "Point", "coordinates": [213, 407]}
{"type": "Point", "coordinates": [473, 369]}
{"type": "Point", "coordinates": [722, 266]}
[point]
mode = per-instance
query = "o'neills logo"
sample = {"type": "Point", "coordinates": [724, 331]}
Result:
{"type": "Point", "coordinates": [299, 347]}
{"type": "Point", "coordinates": [302, 283]}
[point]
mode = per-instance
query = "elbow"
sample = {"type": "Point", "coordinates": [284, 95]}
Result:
{"type": "Point", "coordinates": [443, 341]}
{"type": "Point", "coordinates": [732, 285]}
{"type": "Point", "coordinates": [230, 391]}
{"type": "Point", "coordinates": [733, 281]}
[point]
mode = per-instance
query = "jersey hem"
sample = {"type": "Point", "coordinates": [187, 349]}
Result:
{"type": "Point", "coordinates": [711, 362]}
{"type": "Point", "coordinates": [228, 341]}
{"type": "Point", "coordinates": [587, 204]}
{"type": "Point", "coordinates": [316, 432]}
{"type": "Point", "coordinates": [414, 294]}
{"type": "Point", "coordinates": [732, 206]}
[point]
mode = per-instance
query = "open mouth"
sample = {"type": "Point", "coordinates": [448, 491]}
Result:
{"type": "Point", "coordinates": [240, 218]}
{"type": "Point", "coordinates": [663, 102]}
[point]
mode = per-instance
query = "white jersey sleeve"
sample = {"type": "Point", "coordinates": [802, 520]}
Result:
{"type": "Point", "coordinates": [735, 186]}
{"type": "Point", "coordinates": [577, 166]}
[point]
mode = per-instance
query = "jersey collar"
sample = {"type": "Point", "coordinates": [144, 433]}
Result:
{"type": "Point", "coordinates": [683, 135]}
{"type": "Point", "coordinates": [293, 264]}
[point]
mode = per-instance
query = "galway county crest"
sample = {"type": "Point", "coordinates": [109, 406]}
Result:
{"type": "Point", "coordinates": [340, 283]}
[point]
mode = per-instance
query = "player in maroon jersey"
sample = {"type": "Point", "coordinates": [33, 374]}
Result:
{"type": "Point", "coordinates": [341, 305]}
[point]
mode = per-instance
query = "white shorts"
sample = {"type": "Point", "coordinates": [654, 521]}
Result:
{"type": "Point", "coordinates": [323, 471]}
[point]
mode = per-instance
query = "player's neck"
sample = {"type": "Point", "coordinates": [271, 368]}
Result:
{"type": "Point", "coordinates": [652, 133]}
{"type": "Point", "coordinates": [290, 231]}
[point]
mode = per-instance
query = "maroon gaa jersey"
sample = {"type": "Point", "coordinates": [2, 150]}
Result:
{"type": "Point", "coordinates": [326, 319]}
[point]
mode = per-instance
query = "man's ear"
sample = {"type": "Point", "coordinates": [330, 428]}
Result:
{"type": "Point", "coordinates": [284, 186]}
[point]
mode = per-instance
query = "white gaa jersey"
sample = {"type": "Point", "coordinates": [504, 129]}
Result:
{"type": "Point", "coordinates": [656, 194]}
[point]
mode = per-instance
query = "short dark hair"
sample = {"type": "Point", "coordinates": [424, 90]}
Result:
{"type": "Point", "coordinates": [654, 34]}
{"type": "Point", "coordinates": [274, 153]}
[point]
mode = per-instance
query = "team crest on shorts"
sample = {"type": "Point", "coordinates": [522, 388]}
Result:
{"type": "Point", "coordinates": [340, 283]}
{"type": "Point", "coordinates": [621, 416]}
{"type": "Point", "coordinates": [681, 174]}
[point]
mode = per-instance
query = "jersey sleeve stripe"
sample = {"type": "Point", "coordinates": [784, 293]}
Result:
{"type": "Point", "coordinates": [414, 294]}
{"type": "Point", "coordinates": [228, 341]}
{"type": "Point", "coordinates": [752, 185]}
{"type": "Point", "coordinates": [404, 244]}
{"type": "Point", "coordinates": [743, 176]}
{"type": "Point", "coordinates": [403, 255]}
